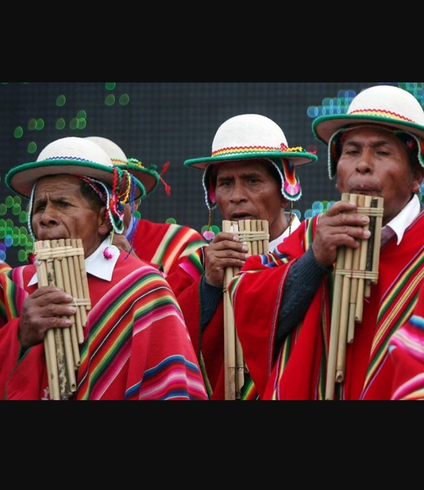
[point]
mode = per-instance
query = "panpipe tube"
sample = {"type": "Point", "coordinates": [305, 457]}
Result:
{"type": "Point", "coordinates": [354, 286]}
{"type": "Point", "coordinates": [366, 247]}
{"type": "Point", "coordinates": [334, 329]}
{"type": "Point", "coordinates": [344, 312]}
{"type": "Point", "coordinates": [255, 234]}
{"type": "Point", "coordinates": [58, 334]}
{"type": "Point", "coordinates": [67, 287]}
{"type": "Point", "coordinates": [229, 330]}
{"type": "Point", "coordinates": [79, 320]}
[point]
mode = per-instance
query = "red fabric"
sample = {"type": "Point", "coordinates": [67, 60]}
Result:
{"type": "Point", "coordinates": [212, 342]}
{"type": "Point", "coordinates": [149, 239]}
{"type": "Point", "coordinates": [408, 378]}
{"type": "Point", "coordinates": [166, 246]}
{"type": "Point", "coordinates": [126, 372]}
{"type": "Point", "coordinates": [369, 372]}
{"type": "Point", "coordinates": [407, 354]}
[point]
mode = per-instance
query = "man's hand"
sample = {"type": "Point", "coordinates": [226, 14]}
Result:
{"type": "Point", "coordinates": [340, 226]}
{"type": "Point", "coordinates": [224, 251]}
{"type": "Point", "coordinates": [44, 309]}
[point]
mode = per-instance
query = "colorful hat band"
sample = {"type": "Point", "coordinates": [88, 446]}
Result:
{"type": "Point", "coordinates": [118, 161]}
{"type": "Point", "coordinates": [246, 150]}
{"type": "Point", "coordinates": [380, 113]}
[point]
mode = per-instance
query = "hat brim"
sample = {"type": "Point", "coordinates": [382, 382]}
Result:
{"type": "Point", "coordinates": [297, 158]}
{"type": "Point", "coordinates": [150, 179]}
{"type": "Point", "coordinates": [324, 127]}
{"type": "Point", "coordinates": [21, 179]}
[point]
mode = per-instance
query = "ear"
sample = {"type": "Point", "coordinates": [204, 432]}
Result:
{"type": "Point", "coordinates": [104, 225]}
{"type": "Point", "coordinates": [337, 187]}
{"type": "Point", "coordinates": [284, 202]}
{"type": "Point", "coordinates": [417, 179]}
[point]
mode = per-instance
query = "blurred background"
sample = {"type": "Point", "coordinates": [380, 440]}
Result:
{"type": "Point", "coordinates": [160, 122]}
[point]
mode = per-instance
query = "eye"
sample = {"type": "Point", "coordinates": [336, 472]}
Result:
{"type": "Point", "coordinates": [351, 151]}
{"type": "Point", "coordinates": [224, 183]}
{"type": "Point", "coordinates": [253, 180]}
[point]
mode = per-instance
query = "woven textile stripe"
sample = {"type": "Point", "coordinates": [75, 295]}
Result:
{"type": "Point", "coordinates": [177, 242]}
{"type": "Point", "coordinates": [119, 317]}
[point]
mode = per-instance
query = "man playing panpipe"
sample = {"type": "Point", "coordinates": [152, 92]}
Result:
{"type": "Point", "coordinates": [249, 176]}
{"type": "Point", "coordinates": [283, 306]}
{"type": "Point", "coordinates": [136, 345]}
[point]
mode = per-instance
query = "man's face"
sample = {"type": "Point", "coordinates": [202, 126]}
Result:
{"type": "Point", "coordinates": [61, 211]}
{"type": "Point", "coordinates": [374, 162]}
{"type": "Point", "coordinates": [246, 190]}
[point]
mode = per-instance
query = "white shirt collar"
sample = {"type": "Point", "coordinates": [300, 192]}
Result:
{"type": "Point", "coordinates": [97, 264]}
{"type": "Point", "coordinates": [405, 218]}
{"type": "Point", "coordinates": [294, 224]}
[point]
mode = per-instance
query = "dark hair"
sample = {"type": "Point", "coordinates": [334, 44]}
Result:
{"type": "Point", "coordinates": [411, 147]}
{"type": "Point", "coordinates": [90, 195]}
{"type": "Point", "coordinates": [273, 172]}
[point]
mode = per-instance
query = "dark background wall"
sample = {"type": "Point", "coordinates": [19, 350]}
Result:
{"type": "Point", "coordinates": [158, 122]}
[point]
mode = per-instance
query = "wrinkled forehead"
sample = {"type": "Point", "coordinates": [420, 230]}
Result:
{"type": "Point", "coordinates": [369, 132]}
{"type": "Point", "coordinates": [57, 183]}
{"type": "Point", "coordinates": [375, 137]}
{"type": "Point", "coordinates": [241, 167]}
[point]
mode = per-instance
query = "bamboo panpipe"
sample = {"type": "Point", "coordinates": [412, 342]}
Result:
{"type": "Point", "coordinates": [255, 233]}
{"type": "Point", "coordinates": [61, 263]}
{"type": "Point", "coordinates": [355, 271]}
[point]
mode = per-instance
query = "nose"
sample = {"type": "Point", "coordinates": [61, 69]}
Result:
{"type": "Point", "coordinates": [48, 216]}
{"type": "Point", "coordinates": [364, 164]}
{"type": "Point", "coordinates": [237, 193]}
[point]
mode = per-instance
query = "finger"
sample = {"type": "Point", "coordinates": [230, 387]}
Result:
{"type": "Point", "coordinates": [56, 297]}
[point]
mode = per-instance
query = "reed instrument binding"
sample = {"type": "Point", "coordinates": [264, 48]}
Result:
{"type": "Point", "coordinates": [355, 271]}
{"type": "Point", "coordinates": [61, 263]}
{"type": "Point", "coordinates": [255, 233]}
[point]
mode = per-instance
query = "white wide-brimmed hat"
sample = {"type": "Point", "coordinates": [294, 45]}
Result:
{"type": "Point", "coordinates": [149, 177]}
{"type": "Point", "coordinates": [383, 105]}
{"type": "Point", "coordinates": [71, 155]}
{"type": "Point", "coordinates": [249, 137]}
{"type": "Point", "coordinates": [253, 137]}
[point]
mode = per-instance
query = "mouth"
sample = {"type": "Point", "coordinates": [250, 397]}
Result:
{"type": "Point", "coordinates": [241, 217]}
{"type": "Point", "coordinates": [365, 190]}
{"type": "Point", "coordinates": [46, 236]}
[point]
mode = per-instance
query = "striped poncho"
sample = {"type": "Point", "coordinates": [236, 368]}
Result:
{"type": "Point", "coordinates": [407, 352]}
{"type": "Point", "coordinates": [164, 245]}
{"type": "Point", "coordinates": [136, 345]}
{"type": "Point", "coordinates": [4, 267]}
{"type": "Point", "coordinates": [299, 373]}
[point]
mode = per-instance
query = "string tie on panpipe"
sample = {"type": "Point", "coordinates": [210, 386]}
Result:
{"type": "Point", "coordinates": [61, 263]}
{"type": "Point", "coordinates": [354, 273]}
{"type": "Point", "coordinates": [255, 233]}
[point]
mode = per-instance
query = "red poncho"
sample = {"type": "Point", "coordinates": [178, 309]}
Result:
{"type": "Point", "coordinates": [136, 343]}
{"type": "Point", "coordinates": [300, 370]}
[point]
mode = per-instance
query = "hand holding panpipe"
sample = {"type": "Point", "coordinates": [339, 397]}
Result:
{"type": "Point", "coordinates": [355, 271]}
{"type": "Point", "coordinates": [255, 233]}
{"type": "Point", "coordinates": [61, 263]}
